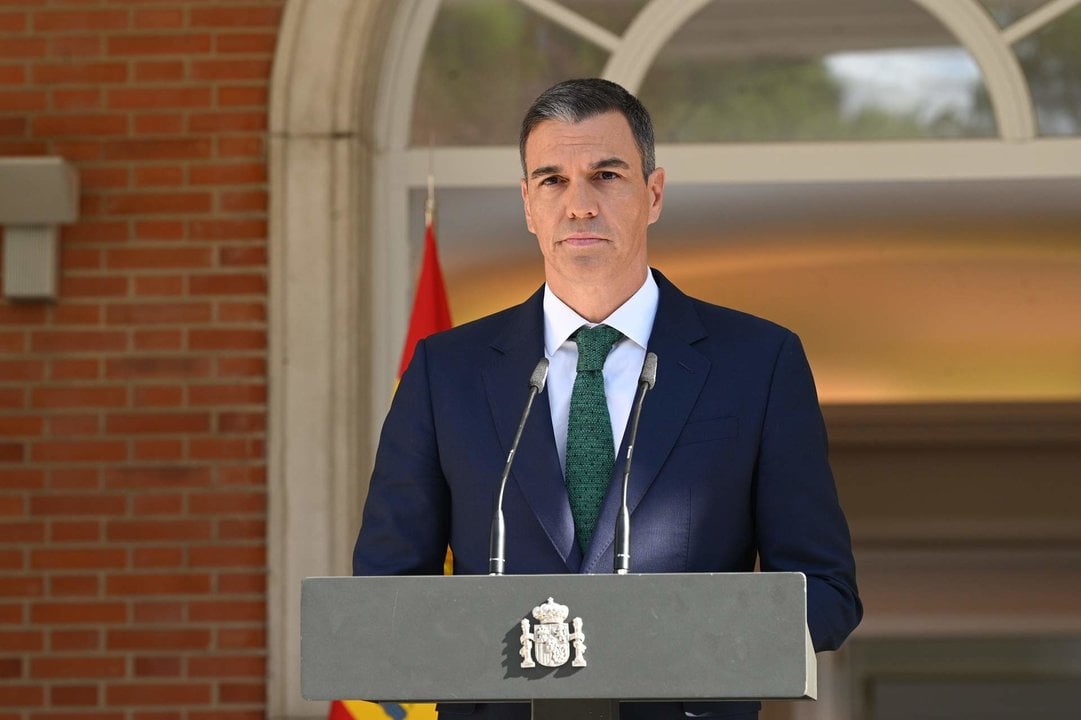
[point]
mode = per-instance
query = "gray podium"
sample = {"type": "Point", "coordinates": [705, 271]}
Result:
{"type": "Point", "coordinates": [709, 636]}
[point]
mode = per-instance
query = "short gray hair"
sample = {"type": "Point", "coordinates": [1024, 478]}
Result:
{"type": "Point", "coordinates": [577, 100]}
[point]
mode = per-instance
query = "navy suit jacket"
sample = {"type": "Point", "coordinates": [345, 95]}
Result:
{"type": "Point", "coordinates": [730, 464]}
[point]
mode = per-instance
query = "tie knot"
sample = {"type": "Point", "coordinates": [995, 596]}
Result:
{"type": "Point", "coordinates": [594, 344]}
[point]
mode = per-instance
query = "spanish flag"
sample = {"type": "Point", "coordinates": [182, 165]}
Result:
{"type": "Point", "coordinates": [431, 313]}
{"type": "Point", "coordinates": [360, 710]}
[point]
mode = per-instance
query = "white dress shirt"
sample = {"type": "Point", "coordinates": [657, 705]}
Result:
{"type": "Point", "coordinates": [622, 368]}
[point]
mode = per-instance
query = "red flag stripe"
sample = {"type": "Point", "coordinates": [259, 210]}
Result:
{"type": "Point", "coordinates": [431, 311]}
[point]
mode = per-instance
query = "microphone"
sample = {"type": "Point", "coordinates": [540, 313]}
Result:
{"type": "Point", "coordinates": [623, 521]}
{"type": "Point", "coordinates": [496, 540]}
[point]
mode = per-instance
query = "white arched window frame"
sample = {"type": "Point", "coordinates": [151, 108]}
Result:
{"type": "Point", "coordinates": [1018, 152]}
{"type": "Point", "coordinates": [341, 269]}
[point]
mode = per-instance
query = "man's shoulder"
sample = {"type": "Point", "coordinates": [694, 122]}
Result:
{"type": "Point", "coordinates": [485, 330]}
{"type": "Point", "coordinates": [714, 315]}
{"type": "Point", "coordinates": [721, 320]}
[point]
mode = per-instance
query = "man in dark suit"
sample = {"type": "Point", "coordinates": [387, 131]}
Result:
{"type": "Point", "coordinates": [731, 465]}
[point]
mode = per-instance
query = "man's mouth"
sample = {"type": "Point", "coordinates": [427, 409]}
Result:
{"type": "Point", "coordinates": [583, 239]}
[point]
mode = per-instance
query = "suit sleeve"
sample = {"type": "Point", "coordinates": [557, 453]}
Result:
{"type": "Point", "coordinates": [800, 525]}
{"type": "Point", "coordinates": [406, 521]}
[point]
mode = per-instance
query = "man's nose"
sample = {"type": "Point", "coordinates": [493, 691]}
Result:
{"type": "Point", "coordinates": [581, 201]}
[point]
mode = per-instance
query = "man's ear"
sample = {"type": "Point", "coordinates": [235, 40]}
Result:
{"type": "Point", "coordinates": [655, 185]}
{"type": "Point", "coordinates": [525, 206]}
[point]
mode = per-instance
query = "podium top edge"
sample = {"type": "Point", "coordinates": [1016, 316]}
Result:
{"type": "Point", "coordinates": [567, 575]}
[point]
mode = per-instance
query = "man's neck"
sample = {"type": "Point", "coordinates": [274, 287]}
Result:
{"type": "Point", "coordinates": [596, 302]}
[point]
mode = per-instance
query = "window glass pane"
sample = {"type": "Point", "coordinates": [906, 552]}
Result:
{"type": "Point", "coordinates": [775, 70]}
{"type": "Point", "coordinates": [486, 61]}
{"type": "Point", "coordinates": [1007, 12]}
{"type": "Point", "coordinates": [613, 15]}
{"type": "Point", "coordinates": [1051, 61]}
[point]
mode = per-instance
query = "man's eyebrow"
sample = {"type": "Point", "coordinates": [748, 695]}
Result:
{"type": "Point", "coordinates": [545, 170]}
{"type": "Point", "coordinates": [612, 162]}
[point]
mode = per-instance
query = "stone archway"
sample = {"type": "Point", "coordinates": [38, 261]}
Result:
{"type": "Point", "coordinates": [326, 74]}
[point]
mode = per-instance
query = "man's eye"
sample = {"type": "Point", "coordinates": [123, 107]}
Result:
{"type": "Point", "coordinates": [607, 175]}
{"type": "Point", "coordinates": [552, 180]}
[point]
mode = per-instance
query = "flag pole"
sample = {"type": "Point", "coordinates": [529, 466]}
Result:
{"type": "Point", "coordinates": [429, 204]}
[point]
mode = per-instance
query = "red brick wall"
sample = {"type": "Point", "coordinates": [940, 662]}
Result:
{"type": "Point", "coordinates": [133, 409]}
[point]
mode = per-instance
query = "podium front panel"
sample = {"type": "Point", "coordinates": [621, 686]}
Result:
{"type": "Point", "coordinates": [721, 636]}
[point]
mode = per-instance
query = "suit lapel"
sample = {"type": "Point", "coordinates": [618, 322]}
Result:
{"type": "Point", "coordinates": [537, 472]}
{"type": "Point", "coordinates": [681, 374]}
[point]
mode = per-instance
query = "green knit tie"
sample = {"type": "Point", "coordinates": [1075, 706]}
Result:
{"type": "Point", "coordinates": [590, 450]}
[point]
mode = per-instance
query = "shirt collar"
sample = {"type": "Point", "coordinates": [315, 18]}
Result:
{"type": "Point", "coordinates": [633, 318]}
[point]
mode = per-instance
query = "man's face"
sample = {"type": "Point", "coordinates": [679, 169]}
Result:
{"type": "Point", "coordinates": [587, 202]}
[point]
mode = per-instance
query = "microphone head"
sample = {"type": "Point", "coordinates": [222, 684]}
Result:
{"type": "Point", "coordinates": [649, 370]}
{"type": "Point", "coordinates": [540, 374]}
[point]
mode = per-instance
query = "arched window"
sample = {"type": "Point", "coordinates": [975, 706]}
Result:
{"type": "Point", "coordinates": [826, 127]}
{"type": "Point", "coordinates": [762, 70]}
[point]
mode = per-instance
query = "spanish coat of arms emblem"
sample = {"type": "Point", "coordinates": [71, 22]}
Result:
{"type": "Point", "coordinates": [550, 639]}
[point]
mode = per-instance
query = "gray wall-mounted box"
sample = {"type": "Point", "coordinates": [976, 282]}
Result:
{"type": "Point", "coordinates": [37, 194]}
